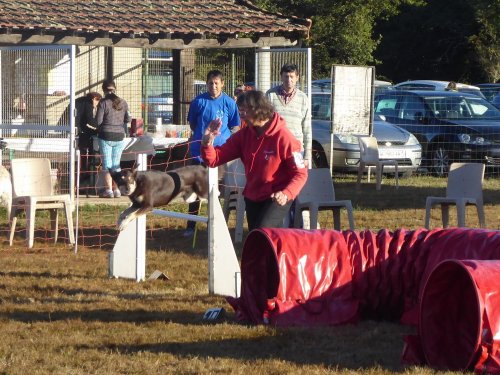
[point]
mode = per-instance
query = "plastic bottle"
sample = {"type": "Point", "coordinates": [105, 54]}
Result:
{"type": "Point", "coordinates": [265, 317]}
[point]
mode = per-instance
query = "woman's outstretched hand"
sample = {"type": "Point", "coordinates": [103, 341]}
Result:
{"type": "Point", "coordinates": [212, 131]}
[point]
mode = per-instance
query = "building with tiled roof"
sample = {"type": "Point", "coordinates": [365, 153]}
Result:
{"type": "Point", "coordinates": [173, 24]}
{"type": "Point", "coordinates": [147, 46]}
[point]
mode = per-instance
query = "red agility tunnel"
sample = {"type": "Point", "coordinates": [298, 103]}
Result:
{"type": "Point", "coordinates": [325, 277]}
{"type": "Point", "coordinates": [317, 277]}
{"type": "Point", "coordinates": [460, 316]}
{"type": "Point", "coordinates": [290, 278]}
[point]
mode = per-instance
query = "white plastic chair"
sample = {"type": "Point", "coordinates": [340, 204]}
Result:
{"type": "Point", "coordinates": [318, 194]}
{"type": "Point", "coordinates": [234, 182]}
{"type": "Point", "coordinates": [32, 190]}
{"type": "Point", "coordinates": [464, 187]}
{"type": "Point", "coordinates": [369, 157]}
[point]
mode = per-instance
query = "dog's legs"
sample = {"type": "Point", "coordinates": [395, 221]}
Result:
{"type": "Point", "coordinates": [130, 214]}
{"type": "Point", "coordinates": [190, 197]}
{"type": "Point", "coordinates": [127, 216]}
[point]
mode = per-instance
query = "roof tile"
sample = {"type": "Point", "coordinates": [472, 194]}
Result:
{"type": "Point", "coordinates": [152, 16]}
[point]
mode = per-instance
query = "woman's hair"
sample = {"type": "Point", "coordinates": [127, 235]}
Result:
{"type": "Point", "coordinates": [239, 89]}
{"type": "Point", "coordinates": [94, 95]}
{"type": "Point", "coordinates": [258, 103]}
{"type": "Point", "coordinates": [109, 88]}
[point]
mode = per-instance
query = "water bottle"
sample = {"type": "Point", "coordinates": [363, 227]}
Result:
{"type": "Point", "coordinates": [265, 317]}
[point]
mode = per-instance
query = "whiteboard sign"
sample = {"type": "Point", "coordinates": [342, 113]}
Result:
{"type": "Point", "coordinates": [352, 93]}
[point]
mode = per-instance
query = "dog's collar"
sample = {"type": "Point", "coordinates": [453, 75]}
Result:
{"type": "Point", "coordinates": [177, 183]}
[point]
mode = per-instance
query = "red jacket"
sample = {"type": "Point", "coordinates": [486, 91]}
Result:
{"type": "Point", "coordinates": [273, 161]}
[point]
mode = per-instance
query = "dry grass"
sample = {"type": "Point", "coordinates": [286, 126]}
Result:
{"type": "Point", "coordinates": [61, 314]}
{"type": "Point", "coordinates": [405, 207]}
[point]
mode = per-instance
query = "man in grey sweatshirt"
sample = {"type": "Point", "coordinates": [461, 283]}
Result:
{"type": "Point", "coordinates": [293, 105]}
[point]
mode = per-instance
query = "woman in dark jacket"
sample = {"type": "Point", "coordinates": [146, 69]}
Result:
{"type": "Point", "coordinates": [86, 110]}
{"type": "Point", "coordinates": [112, 117]}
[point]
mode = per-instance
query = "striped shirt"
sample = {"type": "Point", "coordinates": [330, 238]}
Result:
{"type": "Point", "coordinates": [295, 111]}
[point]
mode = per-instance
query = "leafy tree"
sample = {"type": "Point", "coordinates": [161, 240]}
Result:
{"type": "Point", "coordinates": [439, 41]}
{"type": "Point", "coordinates": [486, 42]}
{"type": "Point", "coordinates": [405, 39]}
{"type": "Point", "coordinates": [342, 30]}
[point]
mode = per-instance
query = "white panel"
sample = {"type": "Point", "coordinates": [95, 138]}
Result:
{"type": "Point", "coordinates": [223, 263]}
{"type": "Point", "coordinates": [223, 266]}
{"type": "Point", "coordinates": [128, 258]}
{"type": "Point", "coordinates": [122, 260]}
{"type": "Point", "coordinates": [352, 99]}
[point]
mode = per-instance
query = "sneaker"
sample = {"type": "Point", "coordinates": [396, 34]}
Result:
{"type": "Point", "coordinates": [188, 233]}
{"type": "Point", "coordinates": [106, 194]}
{"type": "Point", "coordinates": [117, 193]}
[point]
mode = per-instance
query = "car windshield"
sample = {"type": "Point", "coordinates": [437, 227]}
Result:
{"type": "Point", "coordinates": [321, 109]}
{"type": "Point", "coordinates": [457, 107]}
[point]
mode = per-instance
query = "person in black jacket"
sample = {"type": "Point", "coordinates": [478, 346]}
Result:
{"type": "Point", "coordinates": [112, 118]}
{"type": "Point", "coordinates": [86, 110]}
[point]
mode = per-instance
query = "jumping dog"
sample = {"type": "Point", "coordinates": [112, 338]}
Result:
{"type": "Point", "coordinates": [149, 189]}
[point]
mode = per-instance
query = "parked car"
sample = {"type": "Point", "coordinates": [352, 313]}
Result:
{"type": "Point", "coordinates": [160, 106]}
{"type": "Point", "coordinates": [425, 84]}
{"type": "Point", "coordinates": [490, 90]}
{"type": "Point", "coordinates": [393, 142]}
{"type": "Point", "coordinates": [496, 100]}
{"type": "Point", "coordinates": [450, 126]}
{"type": "Point", "coordinates": [325, 84]}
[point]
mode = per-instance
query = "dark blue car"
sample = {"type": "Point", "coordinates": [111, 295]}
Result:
{"type": "Point", "coordinates": [450, 126]}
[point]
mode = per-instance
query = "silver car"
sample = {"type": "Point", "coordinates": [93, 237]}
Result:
{"type": "Point", "coordinates": [427, 84]}
{"type": "Point", "coordinates": [393, 141]}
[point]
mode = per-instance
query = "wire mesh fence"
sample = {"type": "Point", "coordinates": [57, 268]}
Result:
{"type": "Point", "coordinates": [425, 131]}
{"type": "Point", "coordinates": [389, 208]}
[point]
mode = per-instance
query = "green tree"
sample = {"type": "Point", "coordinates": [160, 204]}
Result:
{"type": "Point", "coordinates": [404, 39]}
{"type": "Point", "coordinates": [439, 41]}
{"type": "Point", "coordinates": [342, 30]}
{"type": "Point", "coordinates": [486, 42]}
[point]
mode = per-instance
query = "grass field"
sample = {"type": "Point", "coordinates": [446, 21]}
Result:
{"type": "Point", "coordinates": [61, 314]}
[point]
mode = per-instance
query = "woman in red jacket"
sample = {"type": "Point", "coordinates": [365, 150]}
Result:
{"type": "Point", "coordinates": [274, 165]}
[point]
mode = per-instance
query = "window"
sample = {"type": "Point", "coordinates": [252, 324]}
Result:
{"type": "Point", "coordinates": [321, 109]}
{"type": "Point", "coordinates": [412, 108]}
{"type": "Point", "coordinates": [386, 106]}
{"type": "Point", "coordinates": [478, 109]}
{"type": "Point", "coordinates": [449, 107]}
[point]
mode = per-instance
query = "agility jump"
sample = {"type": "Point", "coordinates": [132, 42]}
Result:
{"type": "Point", "coordinates": [128, 258]}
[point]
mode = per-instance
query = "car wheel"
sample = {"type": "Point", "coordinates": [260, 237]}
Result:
{"type": "Point", "coordinates": [319, 159]}
{"type": "Point", "coordinates": [440, 161]}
